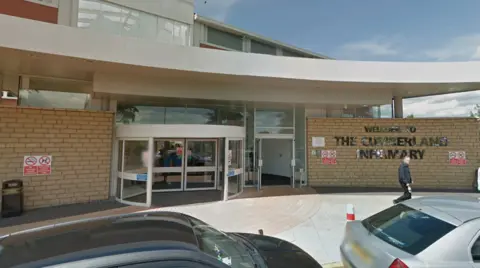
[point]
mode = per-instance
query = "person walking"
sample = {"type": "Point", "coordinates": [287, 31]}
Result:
{"type": "Point", "coordinates": [405, 180]}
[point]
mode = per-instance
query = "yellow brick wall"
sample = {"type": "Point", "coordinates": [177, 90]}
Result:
{"type": "Point", "coordinates": [434, 171]}
{"type": "Point", "coordinates": [79, 142]}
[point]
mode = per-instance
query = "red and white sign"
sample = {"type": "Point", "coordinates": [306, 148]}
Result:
{"type": "Point", "coordinates": [329, 157]}
{"type": "Point", "coordinates": [45, 165]}
{"type": "Point", "coordinates": [457, 158]}
{"type": "Point", "coordinates": [30, 165]}
{"type": "Point", "coordinates": [37, 165]}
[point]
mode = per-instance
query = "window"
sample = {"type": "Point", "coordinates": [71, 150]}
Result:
{"type": "Point", "coordinates": [261, 48]}
{"type": "Point", "coordinates": [224, 39]}
{"type": "Point", "coordinates": [177, 113]}
{"type": "Point", "coordinates": [289, 53]}
{"type": "Point", "coordinates": [406, 228]}
{"type": "Point", "coordinates": [475, 251]}
{"type": "Point", "coordinates": [53, 99]}
{"type": "Point", "coordinates": [115, 19]}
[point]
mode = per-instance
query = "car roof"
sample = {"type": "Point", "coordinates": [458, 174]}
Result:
{"type": "Point", "coordinates": [66, 238]}
{"type": "Point", "coordinates": [461, 207]}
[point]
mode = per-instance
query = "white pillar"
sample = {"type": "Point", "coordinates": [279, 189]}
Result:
{"type": "Point", "coordinates": [398, 107]}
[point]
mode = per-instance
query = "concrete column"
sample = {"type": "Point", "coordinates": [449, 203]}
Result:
{"type": "Point", "coordinates": [68, 12]}
{"type": "Point", "coordinates": [398, 107]}
{"type": "Point", "coordinates": [11, 82]}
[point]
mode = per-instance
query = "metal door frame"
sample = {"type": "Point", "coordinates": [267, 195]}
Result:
{"type": "Point", "coordinates": [240, 171]}
{"type": "Point", "coordinates": [148, 183]}
{"type": "Point", "coordinates": [258, 151]}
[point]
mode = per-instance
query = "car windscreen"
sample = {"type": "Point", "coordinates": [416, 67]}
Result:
{"type": "Point", "coordinates": [406, 228]}
{"type": "Point", "coordinates": [222, 246]}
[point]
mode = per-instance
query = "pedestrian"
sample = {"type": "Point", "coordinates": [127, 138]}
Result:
{"type": "Point", "coordinates": [405, 180]}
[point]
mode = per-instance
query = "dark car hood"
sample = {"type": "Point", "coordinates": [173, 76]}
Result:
{"type": "Point", "coordinates": [279, 253]}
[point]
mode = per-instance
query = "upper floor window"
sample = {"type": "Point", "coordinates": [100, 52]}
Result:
{"type": "Point", "coordinates": [224, 39]}
{"type": "Point", "coordinates": [262, 48]}
{"type": "Point", "coordinates": [289, 53]}
{"type": "Point", "coordinates": [55, 93]}
{"type": "Point", "coordinates": [111, 18]}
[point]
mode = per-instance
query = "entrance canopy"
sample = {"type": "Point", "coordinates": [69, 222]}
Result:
{"type": "Point", "coordinates": [42, 49]}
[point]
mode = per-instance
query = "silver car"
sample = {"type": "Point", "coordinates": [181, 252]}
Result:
{"type": "Point", "coordinates": [422, 232]}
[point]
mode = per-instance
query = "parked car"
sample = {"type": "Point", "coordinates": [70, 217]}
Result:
{"type": "Point", "coordinates": [157, 239]}
{"type": "Point", "coordinates": [422, 232]}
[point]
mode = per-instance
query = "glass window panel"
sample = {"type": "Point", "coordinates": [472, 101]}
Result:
{"type": "Point", "coordinates": [274, 118]}
{"type": "Point", "coordinates": [202, 115]}
{"type": "Point", "coordinates": [133, 114]}
{"type": "Point", "coordinates": [376, 111]}
{"type": "Point", "coordinates": [139, 24]}
{"type": "Point", "coordinates": [386, 111]}
{"type": "Point", "coordinates": [364, 112]}
{"type": "Point", "coordinates": [53, 99]}
{"type": "Point", "coordinates": [231, 115]}
{"type": "Point", "coordinates": [176, 115]}
{"type": "Point", "coordinates": [110, 20]}
{"type": "Point", "coordinates": [165, 30]}
{"type": "Point", "coordinates": [289, 53]}
{"type": "Point", "coordinates": [177, 37]}
{"type": "Point", "coordinates": [135, 163]}
{"type": "Point", "coordinates": [185, 35]}
{"type": "Point", "coordinates": [168, 164]}
{"type": "Point", "coordinates": [275, 130]}
{"type": "Point", "coordinates": [261, 48]}
{"type": "Point", "coordinates": [224, 39]}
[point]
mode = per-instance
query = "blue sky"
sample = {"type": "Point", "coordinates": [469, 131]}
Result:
{"type": "Point", "coordinates": [378, 30]}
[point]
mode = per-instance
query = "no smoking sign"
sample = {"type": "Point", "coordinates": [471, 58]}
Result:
{"type": "Point", "coordinates": [37, 165]}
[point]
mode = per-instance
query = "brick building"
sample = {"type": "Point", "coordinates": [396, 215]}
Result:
{"type": "Point", "coordinates": [142, 97]}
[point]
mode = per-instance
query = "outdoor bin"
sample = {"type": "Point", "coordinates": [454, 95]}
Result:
{"type": "Point", "coordinates": [12, 198]}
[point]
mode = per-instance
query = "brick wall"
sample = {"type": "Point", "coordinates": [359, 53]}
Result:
{"type": "Point", "coordinates": [80, 143]}
{"type": "Point", "coordinates": [433, 171]}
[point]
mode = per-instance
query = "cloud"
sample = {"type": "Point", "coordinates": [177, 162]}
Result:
{"type": "Point", "coordinates": [215, 9]}
{"type": "Point", "coordinates": [451, 105]}
{"type": "Point", "coordinates": [375, 47]}
{"type": "Point", "coordinates": [461, 48]}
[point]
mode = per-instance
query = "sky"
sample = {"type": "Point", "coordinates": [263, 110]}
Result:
{"type": "Point", "coordinates": [369, 30]}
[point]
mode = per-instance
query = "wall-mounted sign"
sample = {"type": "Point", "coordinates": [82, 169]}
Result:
{"type": "Point", "coordinates": [37, 165]}
{"type": "Point", "coordinates": [329, 157]}
{"type": "Point", "coordinates": [390, 129]}
{"type": "Point", "coordinates": [390, 141]}
{"type": "Point", "coordinates": [318, 142]}
{"type": "Point", "coordinates": [457, 158]}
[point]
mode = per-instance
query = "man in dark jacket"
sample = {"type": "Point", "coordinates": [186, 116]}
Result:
{"type": "Point", "coordinates": [405, 180]}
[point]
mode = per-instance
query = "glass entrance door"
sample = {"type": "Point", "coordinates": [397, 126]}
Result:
{"type": "Point", "coordinates": [200, 164]}
{"type": "Point", "coordinates": [168, 165]}
{"type": "Point", "coordinates": [274, 162]}
{"type": "Point", "coordinates": [235, 166]}
{"type": "Point", "coordinates": [133, 180]}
